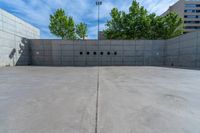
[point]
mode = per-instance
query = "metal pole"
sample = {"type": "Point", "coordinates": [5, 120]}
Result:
{"type": "Point", "coordinates": [98, 3]}
{"type": "Point", "coordinates": [98, 21]}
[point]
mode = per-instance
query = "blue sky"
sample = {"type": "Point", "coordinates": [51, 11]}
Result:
{"type": "Point", "coordinates": [37, 12]}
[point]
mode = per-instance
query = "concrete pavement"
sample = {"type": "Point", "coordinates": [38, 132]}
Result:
{"type": "Point", "coordinates": [131, 100]}
{"type": "Point", "coordinates": [47, 100]}
{"type": "Point", "coordinates": [149, 100]}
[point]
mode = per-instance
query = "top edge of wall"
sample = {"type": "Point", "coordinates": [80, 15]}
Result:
{"type": "Point", "coordinates": [92, 40]}
{"type": "Point", "coordinates": [195, 33]}
{"type": "Point", "coordinates": [18, 19]}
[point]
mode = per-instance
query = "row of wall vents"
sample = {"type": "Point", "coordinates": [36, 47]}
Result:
{"type": "Point", "coordinates": [95, 53]}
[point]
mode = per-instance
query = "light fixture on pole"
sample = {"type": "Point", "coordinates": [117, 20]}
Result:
{"type": "Point", "coordinates": [98, 3]}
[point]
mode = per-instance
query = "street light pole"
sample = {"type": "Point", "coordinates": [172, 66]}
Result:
{"type": "Point", "coordinates": [98, 3]}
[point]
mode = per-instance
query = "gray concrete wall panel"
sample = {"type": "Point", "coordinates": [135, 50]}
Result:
{"type": "Point", "coordinates": [188, 43]}
{"type": "Point", "coordinates": [140, 46]}
{"type": "Point", "coordinates": [118, 52]}
{"type": "Point", "coordinates": [103, 53]}
{"type": "Point", "coordinates": [129, 47]}
{"type": "Point", "coordinates": [178, 52]}
{"type": "Point", "coordinates": [128, 53]}
{"type": "Point", "coordinates": [187, 37]}
{"type": "Point", "coordinates": [13, 40]}
{"type": "Point", "coordinates": [182, 51]}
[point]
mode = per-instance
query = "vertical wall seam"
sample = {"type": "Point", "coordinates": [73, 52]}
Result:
{"type": "Point", "coordinates": [135, 53]}
{"type": "Point", "coordinates": [196, 57]}
{"type": "Point", "coordinates": [179, 42]}
{"type": "Point", "coordinates": [43, 52]}
{"type": "Point", "coordinates": [61, 51]}
{"type": "Point", "coordinates": [144, 49]}
{"type": "Point", "coordinates": [165, 53]}
{"type": "Point", "coordinates": [30, 52]}
{"type": "Point", "coordinates": [151, 54]}
{"type": "Point", "coordinates": [73, 53]}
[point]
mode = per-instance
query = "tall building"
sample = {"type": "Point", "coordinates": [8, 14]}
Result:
{"type": "Point", "coordinates": [189, 10]}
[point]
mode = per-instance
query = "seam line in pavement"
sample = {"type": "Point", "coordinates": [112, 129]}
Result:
{"type": "Point", "coordinates": [97, 104]}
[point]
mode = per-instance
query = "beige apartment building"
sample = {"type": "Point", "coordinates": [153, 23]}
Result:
{"type": "Point", "coordinates": [189, 10]}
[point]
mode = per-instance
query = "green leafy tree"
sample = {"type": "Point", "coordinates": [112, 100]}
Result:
{"type": "Point", "coordinates": [62, 25]}
{"type": "Point", "coordinates": [81, 30]}
{"type": "Point", "coordinates": [139, 24]}
{"type": "Point", "coordinates": [71, 31]}
{"type": "Point", "coordinates": [118, 27]}
{"type": "Point", "coordinates": [137, 20]}
{"type": "Point", "coordinates": [58, 23]}
{"type": "Point", "coordinates": [173, 25]}
{"type": "Point", "coordinates": [156, 27]}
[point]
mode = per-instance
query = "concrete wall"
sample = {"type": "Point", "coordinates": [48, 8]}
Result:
{"type": "Point", "coordinates": [20, 45]}
{"type": "Point", "coordinates": [90, 53]}
{"type": "Point", "coordinates": [183, 51]}
{"type": "Point", "coordinates": [13, 40]}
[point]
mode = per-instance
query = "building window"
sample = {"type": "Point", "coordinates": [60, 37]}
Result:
{"type": "Point", "coordinates": [192, 27]}
{"type": "Point", "coordinates": [191, 16]}
{"type": "Point", "coordinates": [192, 5]}
{"type": "Point", "coordinates": [191, 22]}
{"type": "Point", "coordinates": [189, 10]}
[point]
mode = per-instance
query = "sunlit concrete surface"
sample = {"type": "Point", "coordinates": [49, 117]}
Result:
{"type": "Point", "coordinates": [130, 100]}
{"type": "Point", "coordinates": [149, 100]}
{"type": "Point", "coordinates": [47, 100]}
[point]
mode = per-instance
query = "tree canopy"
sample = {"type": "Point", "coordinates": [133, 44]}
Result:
{"type": "Point", "coordinates": [139, 24]}
{"type": "Point", "coordinates": [81, 30]}
{"type": "Point", "coordinates": [64, 26]}
{"type": "Point", "coordinates": [58, 23]}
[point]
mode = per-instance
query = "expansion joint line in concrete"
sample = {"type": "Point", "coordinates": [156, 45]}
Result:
{"type": "Point", "coordinates": [97, 103]}
{"type": "Point", "coordinates": [97, 96]}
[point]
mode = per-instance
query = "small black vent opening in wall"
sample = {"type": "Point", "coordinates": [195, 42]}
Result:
{"type": "Point", "coordinates": [94, 53]}
{"type": "Point", "coordinates": [108, 53]}
{"type": "Point", "coordinates": [115, 53]}
{"type": "Point", "coordinates": [81, 53]}
{"type": "Point", "coordinates": [101, 53]}
{"type": "Point", "coordinates": [88, 53]}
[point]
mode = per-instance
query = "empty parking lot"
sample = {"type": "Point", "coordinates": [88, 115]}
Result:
{"type": "Point", "coordinates": [113, 100]}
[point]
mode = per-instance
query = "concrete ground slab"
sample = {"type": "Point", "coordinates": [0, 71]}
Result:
{"type": "Point", "coordinates": [47, 100]}
{"type": "Point", "coordinates": [149, 100]}
{"type": "Point", "coordinates": [130, 100]}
